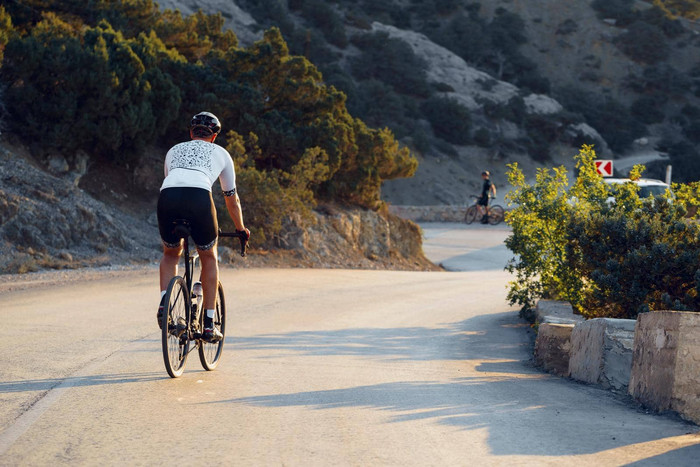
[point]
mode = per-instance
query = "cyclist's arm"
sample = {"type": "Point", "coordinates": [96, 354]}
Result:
{"type": "Point", "coordinates": [493, 190]}
{"type": "Point", "coordinates": [227, 178]}
{"type": "Point", "coordinates": [233, 204]}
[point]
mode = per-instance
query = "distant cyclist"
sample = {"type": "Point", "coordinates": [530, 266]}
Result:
{"type": "Point", "coordinates": [191, 168]}
{"type": "Point", "coordinates": [488, 190]}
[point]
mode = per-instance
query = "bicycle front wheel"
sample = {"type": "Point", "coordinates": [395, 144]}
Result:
{"type": "Point", "coordinates": [495, 214]}
{"type": "Point", "coordinates": [470, 215]}
{"type": "Point", "coordinates": [210, 354]}
{"type": "Point", "coordinates": [175, 335]}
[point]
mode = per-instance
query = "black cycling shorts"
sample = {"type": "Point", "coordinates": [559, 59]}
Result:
{"type": "Point", "coordinates": [483, 201]}
{"type": "Point", "coordinates": [194, 205]}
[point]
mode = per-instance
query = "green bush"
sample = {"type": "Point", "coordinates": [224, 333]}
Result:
{"type": "Point", "coordinates": [644, 42]}
{"type": "Point", "coordinates": [638, 261]}
{"type": "Point", "coordinates": [608, 260]}
{"type": "Point", "coordinates": [449, 119]}
{"type": "Point", "coordinates": [620, 10]}
{"type": "Point", "coordinates": [88, 90]}
{"type": "Point", "coordinates": [648, 110]}
{"type": "Point", "coordinates": [539, 219]}
{"type": "Point", "coordinates": [611, 118]}
{"type": "Point", "coordinates": [325, 18]}
{"type": "Point", "coordinates": [391, 61]}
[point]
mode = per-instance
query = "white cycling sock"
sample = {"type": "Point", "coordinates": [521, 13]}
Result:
{"type": "Point", "coordinates": [162, 294]}
{"type": "Point", "coordinates": [210, 314]}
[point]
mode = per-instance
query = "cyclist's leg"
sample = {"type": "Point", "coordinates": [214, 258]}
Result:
{"type": "Point", "coordinates": [168, 264]}
{"type": "Point", "coordinates": [210, 283]}
{"type": "Point", "coordinates": [204, 234]}
{"type": "Point", "coordinates": [169, 202]}
{"type": "Point", "coordinates": [209, 277]}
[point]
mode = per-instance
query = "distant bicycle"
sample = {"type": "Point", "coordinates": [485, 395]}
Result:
{"type": "Point", "coordinates": [182, 321]}
{"type": "Point", "coordinates": [495, 212]}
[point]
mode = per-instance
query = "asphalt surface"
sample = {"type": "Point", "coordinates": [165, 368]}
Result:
{"type": "Point", "coordinates": [320, 367]}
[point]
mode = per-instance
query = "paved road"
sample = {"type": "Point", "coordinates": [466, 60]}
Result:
{"type": "Point", "coordinates": [332, 367]}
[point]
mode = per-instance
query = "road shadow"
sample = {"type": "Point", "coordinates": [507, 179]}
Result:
{"type": "Point", "coordinates": [505, 339]}
{"type": "Point", "coordinates": [678, 456]}
{"type": "Point", "coordinates": [526, 411]}
{"type": "Point", "coordinates": [523, 416]}
{"type": "Point", "coordinates": [46, 384]}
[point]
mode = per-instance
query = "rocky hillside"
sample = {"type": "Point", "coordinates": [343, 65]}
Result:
{"type": "Point", "coordinates": [537, 78]}
{"type": "Point", "coordinates": [47, 221]}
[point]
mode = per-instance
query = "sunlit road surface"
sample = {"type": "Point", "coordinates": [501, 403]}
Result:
{"type": "Point", "coordinates": [321, 367]}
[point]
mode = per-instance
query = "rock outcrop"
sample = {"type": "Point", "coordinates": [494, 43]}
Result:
{"type": "Point", "coordinates": [48, 221]}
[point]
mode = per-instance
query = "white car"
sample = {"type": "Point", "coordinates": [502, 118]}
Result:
{"type": "Point", "coordinates": [647, 187]}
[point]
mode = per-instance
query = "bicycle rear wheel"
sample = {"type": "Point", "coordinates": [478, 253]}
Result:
{"type": "Point", "coordinates": [470, 215]}
{"type": "Point", "coordinates": [495, 214]}
{"type": "Point", "coordinates": [175, 336]}
{"type": "Point", "coordinates": [210, 354]}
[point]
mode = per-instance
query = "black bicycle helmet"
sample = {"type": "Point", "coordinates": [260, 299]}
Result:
{"type": "Point", "coordinates": [205, 124]}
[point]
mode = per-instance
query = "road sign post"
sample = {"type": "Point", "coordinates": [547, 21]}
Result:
{"type": "Point", "coordinates": [604, 167]}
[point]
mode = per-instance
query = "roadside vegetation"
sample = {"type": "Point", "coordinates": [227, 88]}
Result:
{"type": "Point", "coordinates": [607, 259]}
{"type": "Point", "coordinates": [112, 79]}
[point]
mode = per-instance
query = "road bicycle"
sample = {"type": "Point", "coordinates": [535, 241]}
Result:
{"type": "Point", "coordinates": [182, 320]}
{"type": "Point", "coordinates": [494, 211]}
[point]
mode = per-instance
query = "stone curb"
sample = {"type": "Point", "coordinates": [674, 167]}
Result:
{"type": "Point", "coordinates": [656, 358]}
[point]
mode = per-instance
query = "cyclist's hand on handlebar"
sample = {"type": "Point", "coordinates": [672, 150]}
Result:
{"type": "Point", "coordinates": [244, 238]}
{"type": "Point", "coordinates": [245, 233]}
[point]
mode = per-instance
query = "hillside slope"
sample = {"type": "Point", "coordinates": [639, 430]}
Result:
{"type": "Point", "coordinates": [563, 79]}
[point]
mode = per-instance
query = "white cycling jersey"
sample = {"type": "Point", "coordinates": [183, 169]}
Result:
{"type": "Point", "coordinates": [198, 164]}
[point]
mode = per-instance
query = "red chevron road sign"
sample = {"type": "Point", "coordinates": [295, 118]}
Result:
{"type": "Point", "coordinates": [604, 167]}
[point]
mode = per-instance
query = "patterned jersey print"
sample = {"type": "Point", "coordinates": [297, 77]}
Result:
{"type": "Point", "coordinates": [195, 155]}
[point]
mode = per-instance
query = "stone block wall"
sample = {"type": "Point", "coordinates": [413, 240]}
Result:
{"type": "Point", "coordinates": [601, 352]}
{"type": "Point", "coordinates": [556, 312]}
{"type": "Point", "coordinates": [666, 363]}
{"type": "Point", "coordinates": [430, 213]}
{"type": "Point", "coordinates": [553, 347]}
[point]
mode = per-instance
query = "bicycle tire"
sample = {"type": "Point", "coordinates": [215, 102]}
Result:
{"type": "Point", "coordinates": [174, 327]}
{"type": "Point", "coordinates": [495, 214]}
{"type": "Point", "coordinates": [210, 354]}
{"type": "Point", "coordinates": [470, 215]}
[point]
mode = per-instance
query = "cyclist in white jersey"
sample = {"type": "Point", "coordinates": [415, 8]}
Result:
{"type": "Point", "coordinates": [191, 168]}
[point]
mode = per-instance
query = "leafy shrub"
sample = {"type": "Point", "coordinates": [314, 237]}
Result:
{"type": "Point", "coordinates": [6, 30]}
{"type": "Point", "coordinates": [608, 260]}
{"type": "Point", "coordinates": [539, 221]}
{"type": "Point", "coordinates": [661, 17]}
{"type": "Point", "coordinates": [541, 130]}
{"type": "Point", "coordinates": [612, 119]}
{"type": "Point", "coordinates": [114, 110]}
{"type": "Point", "coordinates": [660, 80]}
{"type": "Point", "coordinates": [643, 43]}
{"type": "Point", "coordinates": [482, 137]}
{"type": "Point", "coordinates": [467, 36]}
{"type": "Point", "coordinates": [450, 119]}
{"type": "Point", "coordinates": [685, 159]}
{"type": "Point", "coordinates": [323, 16]}
{"type": "Point", "coordinates": [639, 261]}
{"type": "Point", "coordinates": [620, 10]}
{"type": "Point", "coordinates": [687, 8]}
{"type": "Point", "coordinates": [648, 110]}
{"type": "Point", "coordinates": [392, 61]}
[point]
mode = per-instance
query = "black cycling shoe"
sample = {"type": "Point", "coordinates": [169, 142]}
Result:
{"type": "Point", "coordinates": [160, 312]}
{"type": "Point", "coordinates": [212, 335]}
{"type": "Point", "coordinates": [485, 220]}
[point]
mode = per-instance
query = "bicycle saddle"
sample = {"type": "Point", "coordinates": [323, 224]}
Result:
{"type": "Point", "coordinates": [181, 228]}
